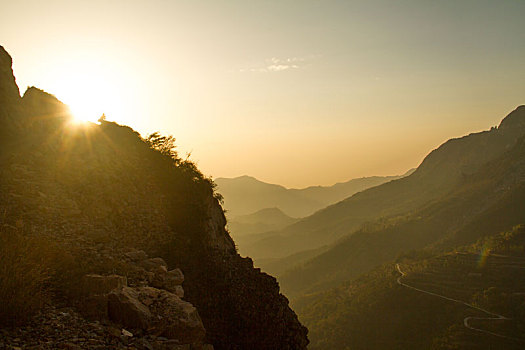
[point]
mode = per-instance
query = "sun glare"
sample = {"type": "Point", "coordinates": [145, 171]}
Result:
{"type": "Point", "coordinates": [90, 88]}
{"type": "Point", "coordinates": [83, 112]}
{"type": "Point", "coordinates": [90, 99]}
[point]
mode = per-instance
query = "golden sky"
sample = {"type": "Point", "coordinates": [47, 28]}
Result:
{"type": "Point", "coordinates": [295, 92]}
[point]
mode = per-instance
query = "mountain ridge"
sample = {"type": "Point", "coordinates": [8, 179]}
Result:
{"type": "Point", "coordinates": [107, 205]}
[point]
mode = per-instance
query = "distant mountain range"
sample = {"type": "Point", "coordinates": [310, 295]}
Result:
{"type": "Point", "coordinates": [270, 209]}
{"type": "Point", "coordinates": [440, 172]}
{"type": "Point", "coordinates": [246, 195]}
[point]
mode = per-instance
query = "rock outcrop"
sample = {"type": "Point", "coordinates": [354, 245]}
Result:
{"type": "Point", "coordinates": [125, 308]}
{"type": "Point", "coordinates": [9, 98]}
{"type": "Point", "coordinates": [152, 304]}
{"type": "Point", "coordinates": [8, 89]}
{"type": "Point", "coordinates": [176, 318]}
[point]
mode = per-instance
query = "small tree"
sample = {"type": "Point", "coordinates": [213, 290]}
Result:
{"type": "Point", "coordinates": [163, 144]}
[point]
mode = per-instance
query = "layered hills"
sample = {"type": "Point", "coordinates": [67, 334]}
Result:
{"type": "Point", "coordinates": [454, 228]}
{"type": "Point", "coordinates": [246, 195]}
{"type": "Point", "coordinates": [440, 172]}
{"type": "Point", "coordinates": [463, 189]}
{"type": "Point", "coordinates": [259, 213]}
{"type": "Point", "coordinates": [116, 241]}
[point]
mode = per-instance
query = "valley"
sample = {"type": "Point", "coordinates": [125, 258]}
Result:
{"type": "Point", "coordinates": [467, 298]}
{"type": "Point", "coordinates": [421, 233]}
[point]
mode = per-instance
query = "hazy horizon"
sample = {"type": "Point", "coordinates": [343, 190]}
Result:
{"type": "Point", "coordinates": [296, 93]}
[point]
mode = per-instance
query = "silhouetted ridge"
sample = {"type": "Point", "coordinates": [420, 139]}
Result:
{"type": "Point", "coordinates": [464, 155]}
{"type": "Point", "coordinates": [43, 110]}
{"type": "Point", "coordinates": [514, 121]}
{"type": "Point", "coordinates": [37, 98]}
{"type": "Point", "coordinates": [9, 98]}
{"type": "Point", "coordinates": [8, 88]}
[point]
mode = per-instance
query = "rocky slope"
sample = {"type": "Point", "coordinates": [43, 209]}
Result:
{"type": "Point", "coordinates": [107, 202]}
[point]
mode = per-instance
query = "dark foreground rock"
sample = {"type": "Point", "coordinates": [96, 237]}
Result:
{"type": "Point", "coordinates": [125, 308]}
{"type": "Point", "coordinates": [64, 328]}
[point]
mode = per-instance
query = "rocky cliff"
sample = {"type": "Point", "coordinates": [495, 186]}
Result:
{"type": "Point", "coordinates": [122, 214]}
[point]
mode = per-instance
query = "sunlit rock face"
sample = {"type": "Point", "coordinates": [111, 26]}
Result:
{"type": "Point", "coordinates": [218, 237]}
{"type": "Point", "coordinates": [100, 191]}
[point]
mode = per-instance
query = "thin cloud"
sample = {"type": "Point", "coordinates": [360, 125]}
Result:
{"type": "Point", "coordinates": [275, 64]}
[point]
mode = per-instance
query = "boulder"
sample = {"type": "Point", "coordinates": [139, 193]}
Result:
{"type": "Point", "coordinates": [169, 280]}
{"type": "Point", "coordinates": [176, 276]}
{"type": "Point", "coordinates": [97, 284]}
{"type": "Point", "coordinates": [181, 320]}
{"type": "Point", "coordinates": [136, 255]}
{"type": "Point", "coordinates": [177, 290]}
{"type": "Point", "coordinates": [159, 276]}
{"type": "Point", "coordinates": [158, 261]}
{"type": "Point", "coordinates": [125, 308]}
{"type": "Point", "coordinates": [175, 319]}
{"type": "Point", "coordinates": [137, 275]}
{"type": "Point", "coordinates": [152, 264]}
{"type": "Point", "coordinates": [149, 276]}
{"type": "Point", "coordinates": [148, 295]}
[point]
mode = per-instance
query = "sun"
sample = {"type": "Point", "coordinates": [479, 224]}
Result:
{"type": "Point", "coordinates": [82, 111]}
{"type": "Point", "coordinates": [90, 88]}
{"type": "Point", "coordinates": [90, 98]}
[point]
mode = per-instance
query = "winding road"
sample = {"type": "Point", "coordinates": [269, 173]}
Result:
{"type": "Point", "coordinates": [466, 320]}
